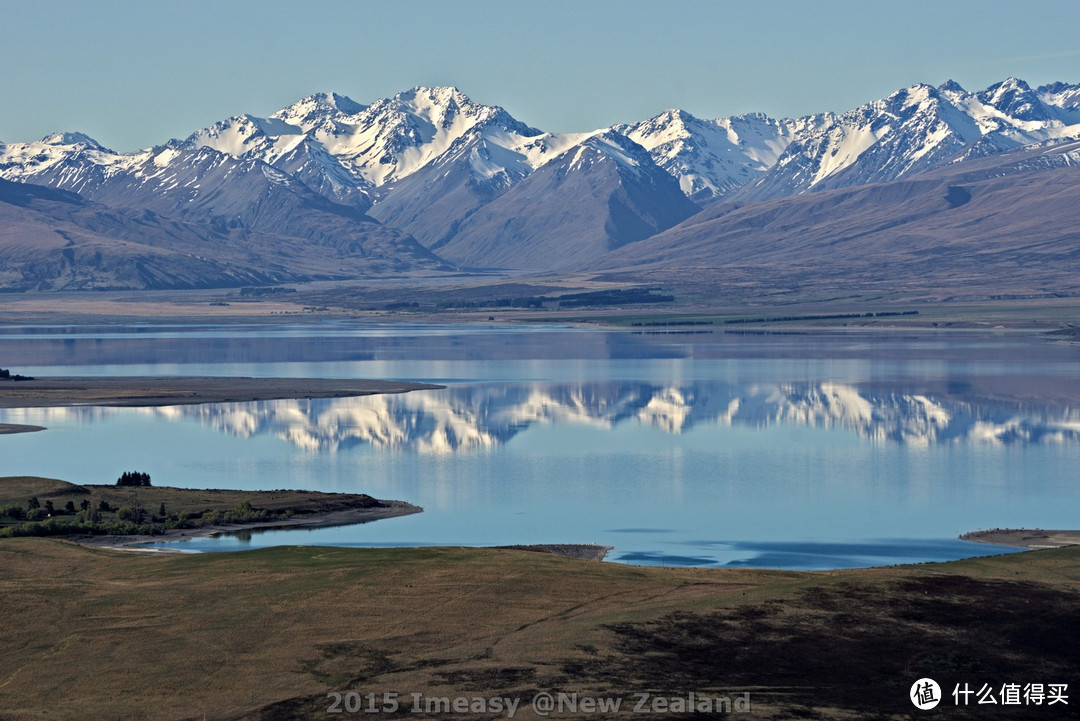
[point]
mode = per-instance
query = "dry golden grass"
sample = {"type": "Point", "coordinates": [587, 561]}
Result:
{"type": "Point", "coordinates": [176, 637]}
{"type": "Point", "coordinates": [93, 633]}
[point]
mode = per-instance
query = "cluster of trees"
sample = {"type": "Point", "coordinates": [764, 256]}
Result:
{"type": "Point", "coordinates": [133, 478]}
{"type": "Point", "coordinates": [6, 375]}
{"type": "Point", "coordinates": [128, 521]}
{"type": "Point", "coordinates": [618, 296]}
{"type": "Point", "coordinates": [241, 513]}
{"type": "Point", "coordinates": [46, 519]}
{"type": "Point", "coordinates": [36, 511]}
{"type": "Point", "coordinates": [65, 526]}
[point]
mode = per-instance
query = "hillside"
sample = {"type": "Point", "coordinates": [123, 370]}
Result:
{"type": "Point", "coordinates": [296, 625]}
{"type": "Point", "coordinates": [1010, 221]}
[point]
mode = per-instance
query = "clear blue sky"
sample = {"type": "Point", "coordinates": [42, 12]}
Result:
{"type": "Point", "coordinates": [133, 73]}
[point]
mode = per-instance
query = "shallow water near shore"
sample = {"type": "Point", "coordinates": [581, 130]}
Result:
{"type": "Point", "coordinates": [792, 450]}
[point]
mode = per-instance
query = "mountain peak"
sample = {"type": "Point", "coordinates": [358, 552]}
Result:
{"type": "Point", "coordinates": [1014, 82]}
{"type": "Point", "coordinates": [441, 105]}
{"type": "Point", "coordinates": [677, 117]}
{"type": "Point", "coordinates": [1060, 95]}
{"type": "Point", "coordinates": [331, 101]}
{"type": "Point", "coordinates": [619, 148]}
{"type": "Point", "coordinates": [1016, 99]}
{"type": "Point", "coordinates": [1056, 87]}
{"type": "Point", "coordinates": [318, 108]}
{"type": "Point", "coordinates": [1005, 87]}
{"type": "Point", "coordinates": [917, 93]}
{"type": "Point", "coordinates": [439, 93]}
{"type": "Point", "coordinates": [72, 139]}
{"type": "Point", "coordinates": [951, 86]}
{"type": "Point", "coordinates": [242, 135]}
{"type": "Point", "coordinates": [342, 102]}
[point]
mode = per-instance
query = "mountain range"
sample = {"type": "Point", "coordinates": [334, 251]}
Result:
{"type": "Point", "coordinates": [430, 182]}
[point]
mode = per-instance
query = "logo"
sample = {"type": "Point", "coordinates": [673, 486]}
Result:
{"type": "Point", "coordinates": [925, 694]}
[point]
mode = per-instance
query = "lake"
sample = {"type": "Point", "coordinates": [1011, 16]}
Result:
{"type": "Point", "coordinates": [710, 448]}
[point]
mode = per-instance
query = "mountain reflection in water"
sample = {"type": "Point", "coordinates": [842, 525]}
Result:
{"type": "Point", "coordinates": [467, 418]}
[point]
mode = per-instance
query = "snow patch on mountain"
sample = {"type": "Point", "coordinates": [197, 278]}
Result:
{"type": "Point", "coordinates": [711, 158]}
{"type": "Point", "coordinates": [248, 136]}
{"type": "Point", "coordinates": [435, 140]}
{"type": "Point", "coordinates": [915, 129]}
{"type": "Point", "coordinates": [395, 137]}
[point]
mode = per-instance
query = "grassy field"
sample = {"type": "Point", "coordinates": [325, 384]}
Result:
{"type": "Point", "coordinates": [17, 489]}
{"type": "Point", "coordinates": [705, 295]}
{"type": "Point", "coordinates": [266, 634]}
{"type": "Point", "coordinates": [192, 505]}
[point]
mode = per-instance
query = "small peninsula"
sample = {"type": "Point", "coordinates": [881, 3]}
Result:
{"type": "Point", "coordinates": [171, 391]}
{"type": "Point", "coordinates": [8, 428]}
{"type": "Point", "coordinates": [125, 515]}
{"type": "Point", "coordinates": [1030, 538]}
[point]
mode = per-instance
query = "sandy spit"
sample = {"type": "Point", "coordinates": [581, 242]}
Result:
{"type": "Point", "coordinates": [169, 391]}
{"type": "Point", "coordinates": [1024, 537]}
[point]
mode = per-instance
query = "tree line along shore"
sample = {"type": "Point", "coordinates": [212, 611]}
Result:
{"type": "Point", "coordinates": [33, 506]}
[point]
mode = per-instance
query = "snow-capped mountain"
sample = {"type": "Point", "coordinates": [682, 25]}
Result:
{"type": "Point", "coordinates": [599, 194]}
{"type": "Point", "coordinates": [204, 185]}
{"type": "Point", "coordinates": [1064, 97]}
{"type": "Point", "coordinates": [711, 158]}
{"type": "Point", "coordinates": [473, 184]}
{"type": "Point", "coordinates": [395, 137]}
{"type": "Point", "coordinates": [965, 228]}
{"type": "Point", "coordinates": [354, 153]}
{"type": "Point", "coordinates": [287, 148]}
{"type": "Point", "coordinates": [916, 129]}
{"type": "Point", "coordinates": [249, 213]}
{"type": "Point", "coordinates": [69, 161]}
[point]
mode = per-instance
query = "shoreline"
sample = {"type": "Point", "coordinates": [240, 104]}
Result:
{"type": "Point", "coordinates": [1029, 538]}
{"type": "Point", "coordinates": [581, 551]}
{"type": "Point", "coordinates": [390, 509]}
{"type": "Point", "coordinates": [170, 391]}
{"type": "Point", "coordinates": [12, 428]}
{"type": "Point", "coordinates": [352, 516]}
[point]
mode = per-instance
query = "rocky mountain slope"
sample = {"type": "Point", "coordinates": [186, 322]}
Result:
{"type": "Point", "coordinates": [56, 240]}
{"type": "Point", "coordinates": [916, 129]}
{"type": "Point", "coordinates": [429, 180]}
{"type": "Point", "coordinates": [1007, 217]}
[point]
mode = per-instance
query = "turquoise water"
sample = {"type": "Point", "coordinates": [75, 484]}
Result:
{"type": "Point", "coordinates": [712, 449]}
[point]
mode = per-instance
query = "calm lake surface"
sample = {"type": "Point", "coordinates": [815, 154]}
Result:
{"type": "Point", "coordinates": [708, 448]}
